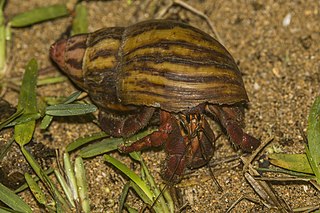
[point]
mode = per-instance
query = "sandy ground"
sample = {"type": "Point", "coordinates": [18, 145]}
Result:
{"type": "Point", "coordinates": [281, 66]}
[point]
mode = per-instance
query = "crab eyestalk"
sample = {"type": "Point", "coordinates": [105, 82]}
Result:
{"type": "Point", "coordinates": [68, 54]}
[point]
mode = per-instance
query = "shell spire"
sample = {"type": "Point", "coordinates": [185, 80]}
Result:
{"type": "Point", "coordinates": [68, 54]}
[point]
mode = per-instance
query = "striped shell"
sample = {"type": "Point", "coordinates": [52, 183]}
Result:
{"type": "Point", "coordinates": [158, 63]}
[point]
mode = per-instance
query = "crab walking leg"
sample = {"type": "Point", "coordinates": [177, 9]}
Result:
{"type": "Point", "coordinates": [169, 134]}
{"type": "Point", "coordinates": [206, 139]}
{"type": "Point", "coordinates": [189, 145]}
{"type": "Point", "coordinates": [156, 138]}
{"type": "Point", "coordinates": [231, 119]}
{"type": "Point", "coordinates": [125, 125]}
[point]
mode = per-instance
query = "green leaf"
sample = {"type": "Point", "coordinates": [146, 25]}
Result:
{"type": "Point", "coordinates": [11, 118]}
{"type": "Point", "coordinates": [293, 162]}
{"type": "Point", "coordinates": [82, 184]}
{"type": "Point", "coordinates": [39, 15]}
{"type": "Point", "coordinates": [82, 141]}
{"type": "Point", "coordinates": [72, 97]}
{"type": "Point", "coordinates": [70, 176]}
{"type": "Point", "coordinates": [1, 11]}
{"type": "Point", "coordinates": [133, 176]}
{"type": "Point", "coordinates": [46, 121]}
{"type": "Point", "coordinates": [2, 48]}
{"type": "Point", "coordinates": [54, 100]}
{"type": "Point", "coordinates": [161, 205]}
{"type": "Point", "coordinates": [80, 21]}
{"type": "Point", "coordinates": [25, 185]}
{"type": "Point", "coordinates": [4, 149]}
{"type": "Point", "coordinates": [111, 144]}
{"type": "Point", "coordinates": [27, 97]}
{"type": "Point", "coordinates": [70, 109]}
{"type": "Point", "coordinates": [141, 194]}
{"type": "Point", "coordinates": [25, 118]}
{"type": "Point", "coordinates": [138, 136]}
{"type": "Point", "coordinates": [2, 41]}
{"type": "Point", "coordinates": [132, 210]}
{"type": "Point", "coordinates": [65, 187]}
{"type": "Point", "coordinates": [35, 189]}
{"type": "Point", "coordinates": [101, 147]}
{"type": "Point", "coordinates": [28, 102]}
{"type": "Point", "coordinates": [51, 80]}
{"type": "Point", "coordinates": [313, 134]}
{"type": "Point", "coordinates": [12, 200]}
{"type": "Point", "coordinates": [123, 196]}
{"type": "Point", "coordinates": [45, 179]}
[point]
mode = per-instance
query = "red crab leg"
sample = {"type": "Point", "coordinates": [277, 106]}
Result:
{"type": "Point", "coordinates": [155, 139]}
{"type": "Point", "coordinates": [231, 118]}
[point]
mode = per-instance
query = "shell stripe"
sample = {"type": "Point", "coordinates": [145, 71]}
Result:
{"type": "Point", "coordinates": [76, 45]}
{"type": "Point", "coordinates": [74, 62]}
{"type": "Point", "coordinates": [178, 91]}
{"type": "Point", "coordinates": [186, 77]}
{"type": "Point", "coordinates": [114, 33]}
{"type": "Point", "coordinates": [178, 59]}
{"type": "Point", "coordinates": [178, 47]}
{"type": "Point", "coordinates": [177, 33]}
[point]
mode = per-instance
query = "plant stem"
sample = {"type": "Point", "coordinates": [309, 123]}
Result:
{"type": "Point", "coordinates": [2, 41]}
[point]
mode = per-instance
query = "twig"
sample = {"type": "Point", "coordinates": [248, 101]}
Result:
{"type": "Point", "coordinates": [240, 199]}
{"type": "Point", "coordinates": [282, 179]}
{"type": "Point", "coordinates": [193, 10]}
{"type": "Point", "coordinates": [263, 189]}
{"type": "Point", "coordinates": [248, 160]}
{"type": "Point", "coordinates": [202, 15]}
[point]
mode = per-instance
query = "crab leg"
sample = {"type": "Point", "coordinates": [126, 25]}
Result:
{"type": "Point", "coordinates": [155, 139]}
{"type": "Point", "coordinates": [231, 119]}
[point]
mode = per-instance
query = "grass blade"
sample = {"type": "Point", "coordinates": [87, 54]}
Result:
{"type": "Point", "coordinates": [65, 187]}
{"type": "Point", "coordinates": [101, 147]}
{"type": "Point", "coordinates": [293, 162]}
{"type": "Point", "coordinates": [36, 178]}
{"type": "Point", "coordinates": [72, 97]}
{"type": "Point", "coordinates": [82, 141]}
{"type": "Point", "coordinates": [5, 148]}
{"type": "Point", "coordinates": [70, 109]}
{"type": "Point", "coordinates": [168, 198]}
{"type": "Point", "coordinates": [51, 80]}
{"type": "Point", "coordinates": [2, 41]}
{"type": "Point", "coordinates": [80, 21]}
{"type": "Point", "coordinates": [123, 196]}
{"type": "Point", "coordinates": [27, 101]}
{"type": "Point", "coordinates": [133, 176]}
{"type": "Point", "coordinates": [39, 15]}
{"type": "Point", "coordinates": [11, 118]}
{"type": "Point", "coordinates": [110, 144]}
{"type": "Point", "coordinates": [45, 179]}
{"type": "Point", "coordinates": [82, 184]}
{"type": "Point", "coordinates": [156, 191]}
{"type": "Point", "coordinates": [70, 176]}
{"type": "Point", "coordinates": [35, 189]}
{"type": "Point", "coordinates": [313, 133]}
{"type": "Point", "coordinates": [12, 200]}
{"type": "Point", "coordinates": [25, 118]}
{"type": "Point", "coordinates": [46, 121]}
{"type": "Point", "coordinates": [131, 210]}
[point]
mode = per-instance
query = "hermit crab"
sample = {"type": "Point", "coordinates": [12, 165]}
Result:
{"type": "Point", "coordinates": [164, 68]}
